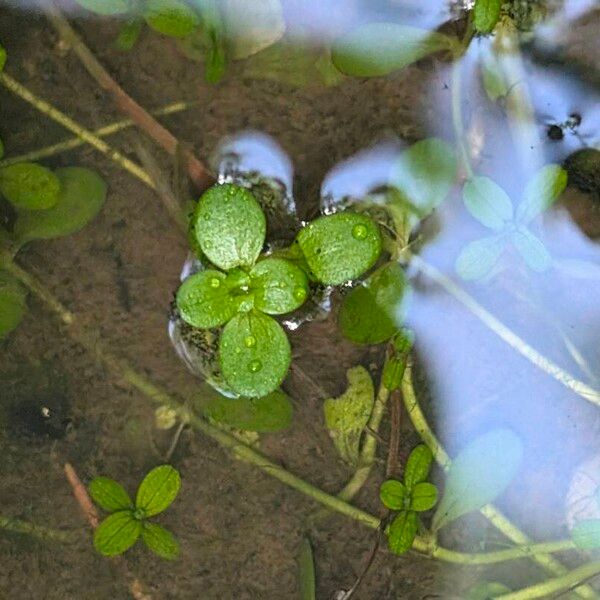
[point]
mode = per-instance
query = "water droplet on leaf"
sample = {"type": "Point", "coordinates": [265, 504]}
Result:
{"type": "Point", "coordinates": [255, 366]}
{"type": "Point", "coordinates": [214, 282]}
{"type": "Point", "coordinates": [359, 232]}
{"type": "Point", "coordinates": [300, 294]}
{"type": "Point", "coordinates": [250, 341]}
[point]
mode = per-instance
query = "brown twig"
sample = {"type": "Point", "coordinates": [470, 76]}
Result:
{"type": "Point", "coordinates": [198, 173]}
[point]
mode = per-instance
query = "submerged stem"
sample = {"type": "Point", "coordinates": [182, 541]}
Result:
{"type": "Point", "coordinates": [38, 531]}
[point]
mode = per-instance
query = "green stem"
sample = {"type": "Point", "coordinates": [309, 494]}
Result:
{"type": "Point", "coordinates": [91, 342]}
{"type": "Point", "coordinates": [489, 511]}
{"type": "Point", "coordinates": [556, 585]}
{"type": "Point", "coordinates": [38, 531]}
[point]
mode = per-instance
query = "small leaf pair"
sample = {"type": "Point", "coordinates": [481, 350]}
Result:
{"type": "Point", "coordinates": [409, 497]}
{"type": "Point", "coordinates": [492, 207]}
{"type": "Point", "coordinates": [128, 521]}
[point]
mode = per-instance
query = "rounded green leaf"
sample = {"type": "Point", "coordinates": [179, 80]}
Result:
{"type": "Point", "coordinates": [478, 258]}
{"type": "Point", "coordinates": [255, 354]}
{"type": "Point", "coordinates": [160, 541]}
{"type": "Point", "coordinates": [393, 494]}
{"type": "Point", "coordinates": [488, 202]}
{"type": "Point", "coordinates": [158, 490]}
{"type": "Point", "coordinates": [272, 412]}
{"type": "Point", "coordinates": [377, 49]}
{"type": "Point", "coordinates": [532, 249]}
{"type": "Point", "coordinates": [117, 533]}
{"type": "Point", "coordinates": [29, 186]}
{"type": "Point", "coordinates": [402, 532]}
{"type": "Point", "coordinates": [372, 312]}
{"type": "Point", "coordinates": [486, 14]}
{"type": "Point", "coordinates": [109, 494]}
{"type": "Point", "coordinates": [230, 226]}
{"type": "Point", "coordinates": [479, 474]}
{"type": "Point", "coordinates": [586, 534]}
{"type": "Point", "coordinates": [206, 299]}
{"type": "Point", "coordinates": [423, 497]}
{"type": "Point", "coordinates": [393, 372]}
{"type": "Point", "coordinates": [487, 590]}
{"type": "Point", "coordinates": [340, 247]}
{"type": "Point", "coordinates": [279, 286]}
{"type": "Point", "coordinates": [174, 18]}
{"type": "Point", "coordinates": [106, 7]}
{"type": "Point", "coordinates": [12, 303]}
{"type": "Point", "coordinates": [81, 196]}
{"type": "Point", "coordinates": [418, 466]}
{"type": "Point", "coordinates": [425, 173]}
{"type": "Point", "coordinates": [541, 192]}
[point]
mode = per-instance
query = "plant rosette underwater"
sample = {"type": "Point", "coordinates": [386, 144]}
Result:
{"type": "Point", "coordinates": [241, 289]}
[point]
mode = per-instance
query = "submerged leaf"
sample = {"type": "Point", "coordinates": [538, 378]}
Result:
{"type": "Point", "coordinates": [306, 571]}
{"type": "Point", "coordinates": [254, 353]}
{"type": "Point", "coordinates": [30, 186]}
{"type": "Point", "coordinates": [425, 173]}
{"type": "Point", "coordinates": [106, 7]}
{"type": "Point", "coordinates": [541, 192]}
{"type": "Point", "coordinates": [272, 412]}
{"type": "Point", "coordinates": [174, 18]}
{"type": "Point", "coordinates": [109, 494]}
{"type": "Point", "coordinates": [486, 15]}
{"type": "Point", "coordinates": [230, 226]}
{"type": "Point", "coordinates": [477, 259]}
{"type": "Point", "coordinates": [487, 590]}
{"type": "Point", "coordinates": [402, 532]}
{"type": "Point", "coordinates": [279, 286]}
{"type": "Point", "coordinates": [479, 474]}
{"type": "Point", "coordinates": [586, 534]}
{"type": "Point", "coordinates": [82, 194]}
{"type": "Point", "coordinates": [347, 416]}
{"type": "Point", "coordinates": [340, 247]}
{"type": "Point", "coordinates": [488, 202]}
{"type": "Point", "coordinates": [160, 541]}
{"type": "Point", "coordinates": [2, 57]}
{"type": "Point", "coordinates": [377, 49]}
{"type": "Point", "coordinates": [418, 466]}
{"type": "Point", "coordinates": [117, 533]}
{"type": "Point", "coordinates": [158, 490]}
{"type": "Point", "coordinates": [532, 249]}
{"type": "Point", "coordinates": [423, 497]}
{"type": "Point", "coordinates": [129, 34]}
{"type": "Point", "coordinates": [12, 303]}
{"type": "Point", "coordinates": [493, 77]}
{"type": "Point", "coordinates": [372, 312]}
{"type": "Point", "coordinates": [393, 494]}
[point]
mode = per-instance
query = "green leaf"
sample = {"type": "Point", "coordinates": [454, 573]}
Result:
{"type": "Point", "coordinates": [477, 259]}
{"type": "Point", "coordinates": [174, 18]}
{"type": "Point", "coordinates": [109, 494]}
{"type": "Point", "coordinates": [493, 77]}
{"type": "Point", "coordinates": [279, 286]}
{"type": "Point", "coordinates": [255, 354]}
{"type": "Point", "coordinates": [377, 49]}
{"type": "Point", "coordinates": [272, 412]}
{"type": "Point", "coordinates": [418, 466]}
{"type": "Point", "coordinates": [117, 533]}
{"type": "Point", "coordinates": [347, 416]}
{"type": "Point", "coordinates": [340, 247]}
{"type": "Point", "coordinates": [532, 249]}
{"type": "Point", "coordinates": [230, 226]}
{"type": "Point", "coordinates": [486, 15]}
{"type": "Point", "coordinates": [372, 312]}
{"type": "Point", "coordinates": [402, 532]}
{"type": "Point", "coordinates": [216, 59]}
{"type": "Point", "coordinates": [129, 34]}
{"type": "Point", "coordinates": [158, 490]}
{"type": "Point", "coordinates": [82, 194]}
{"type": "Point", "coordinates": [106, 7]}
{"type": "Point", "coordinates": [488, 202]}
{"type": "Point", "coordinates": [160, 541]}
{"type": "Point", "coordinates": [423, 497]}
{"type": "Point", "coordinates": [541, 192]}
{"type": "Point", "coordinates": [2, 57]}
{"type": "Point", "coordinates": [393, 372]}
{"type": "Point", "coordinates": [29, 185]}
{"type": "Point", "coordinates": [479, 474]}
{"type": "Point", "coordinates": [425, 174]}
{"type": "Point", "coordinates": [586, 534]}
{"type": "Point", "coordinates": [393, 494]}
{"type": "Point", "coordinates": [306, 571]}
{"type": "Point", "coordinates": [486, 590]}
{"type": "Point", "coordinates": [207, 299]}
{"type": "Point", "coordinates": [12, 303]}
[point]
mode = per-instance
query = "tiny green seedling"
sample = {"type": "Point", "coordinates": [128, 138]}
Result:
{"type": "Point", "coordinates": [243, 289]}
{"type": "Point", "coordinates": [408, 498]}
{"type": "Point", "coordinates": [128, 520]}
